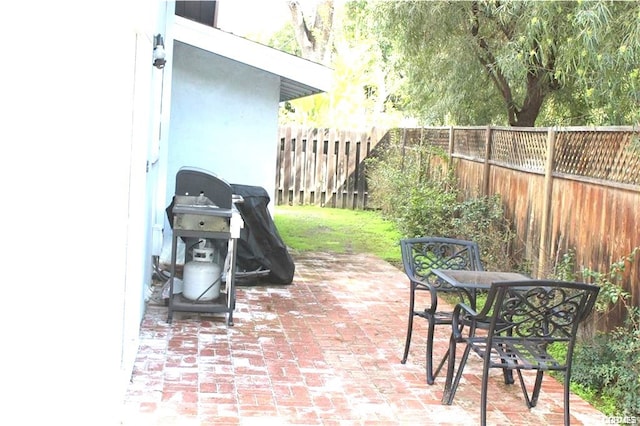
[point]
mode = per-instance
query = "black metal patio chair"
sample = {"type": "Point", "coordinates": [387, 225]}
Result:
{"type": "Point", "coordinates": [525, 318]}
{"type": "Point", "coordinates": [419, 257]}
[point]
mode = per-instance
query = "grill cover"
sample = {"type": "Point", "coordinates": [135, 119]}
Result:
{"type": "Point", "coordinates": [260, 244]}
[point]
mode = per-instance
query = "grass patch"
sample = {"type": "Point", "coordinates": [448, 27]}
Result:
{"type": "Point", "coordinates": [311, 228]}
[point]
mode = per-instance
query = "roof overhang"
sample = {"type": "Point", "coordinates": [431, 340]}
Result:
{"type": "Point", "coordinates": [298, 77]}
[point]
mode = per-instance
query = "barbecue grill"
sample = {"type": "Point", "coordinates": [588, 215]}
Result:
{"type": "Point", "coordinates": [203, 214]}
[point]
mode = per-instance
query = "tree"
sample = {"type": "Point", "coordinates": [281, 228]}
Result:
{"type": "Point", "coordinates": [337, 35]}
{"type": "Point", "coordinates": [314, 30]}
{"type": "Point", "coordinates": [465, 61]}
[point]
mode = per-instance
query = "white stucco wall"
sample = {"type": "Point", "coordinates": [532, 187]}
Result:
{"type": "Point", "coordinates": [77, 102]}
{"type": "Point", "coordinates": [224, 119]}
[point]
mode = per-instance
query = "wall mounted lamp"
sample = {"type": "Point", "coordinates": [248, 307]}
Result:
{"type": "Point", "coordinates": [158, 52]}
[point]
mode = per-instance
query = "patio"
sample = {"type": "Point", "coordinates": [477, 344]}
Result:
{"type": "Point", "coordinates": [324, 350]}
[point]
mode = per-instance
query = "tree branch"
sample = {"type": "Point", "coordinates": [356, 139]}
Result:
{"type": "Point", "coordinates": [487, 59]}
{"type": "Point", "coordinates": [304, 35]}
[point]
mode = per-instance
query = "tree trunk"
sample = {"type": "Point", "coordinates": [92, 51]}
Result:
{"type": "Point", "coordinates": [539, 82]}
{"type": "Point", "coordinates": [314, 32]}
{"type": "Point", "coordinates": [536, 92]}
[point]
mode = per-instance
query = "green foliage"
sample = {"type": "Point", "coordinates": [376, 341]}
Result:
{"type": "Point", "coordinates": [623, 373]}
{"type": "Point", "coordinates": [603, 59]}
{"type": "Point", "coordinates": [412, 185]}
{"type": "Point", "coordinates": [607, 366]}
{"type": "Point", "coordinates": [494, 62]}
{"type": "Point", "coordinates": [588, 357]}
{"type": "Point", "coordinates": [611, 290]}
{"type": "Point", "coordinates": [564, 269]}
{"type": "Point", "coordinates": [426, 209]}
{"type": "Point", "coordinates": [468, 63]}
{"type": "Point", "coordinates": [362, 87]}
{"type": "Point", "coordinates": [284, 39]}
{"type": "Point", "coordinates": [482, 220]}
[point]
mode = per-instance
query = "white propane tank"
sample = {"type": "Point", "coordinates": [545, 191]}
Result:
{"type": "Point", "coordinates": [202, 276]}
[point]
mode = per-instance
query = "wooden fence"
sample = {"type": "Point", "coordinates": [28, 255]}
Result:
{"type": "Point", "coordinates": [562, 188]}
{"type": "Point", "coordinates": [323, 167]}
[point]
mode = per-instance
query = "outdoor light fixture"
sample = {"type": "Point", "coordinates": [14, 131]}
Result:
{"type": "Point", "coordinates": [158, 52]}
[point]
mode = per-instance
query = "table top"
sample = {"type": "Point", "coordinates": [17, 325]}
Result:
{"type": "Point", "coordinates": [480, 280]}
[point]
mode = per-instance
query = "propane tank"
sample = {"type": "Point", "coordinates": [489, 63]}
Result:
{"type": "Point", "coordinates": [202, 276]}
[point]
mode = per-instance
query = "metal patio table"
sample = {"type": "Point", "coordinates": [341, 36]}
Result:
{"type": "Point", "coordinates": [472, 281]}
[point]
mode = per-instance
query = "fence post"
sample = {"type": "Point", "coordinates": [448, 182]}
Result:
{"type": "Point", "coordinates": [487, 168]}
{"type": "Point", "coordinates": [545, 231]}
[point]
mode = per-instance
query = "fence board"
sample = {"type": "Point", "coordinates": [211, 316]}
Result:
{"type": "Point", "coordinates": [286, 155]}
{"type": "Point", "coordinates": [358, 196]}
{"type": "Point", "coordinates": [318, 155]}
{"type": "Point", "coordinates": [299, 162]}
{"type": "Point", "coordinates": [309, 159]}
{"type": "Point", "coordinates": [340, 176]}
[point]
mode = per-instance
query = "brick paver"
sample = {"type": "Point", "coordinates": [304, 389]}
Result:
{"type": "Point", "coordinates": [324, 350]}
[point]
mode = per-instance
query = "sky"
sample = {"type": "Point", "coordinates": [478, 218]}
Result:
{"type": "Point", "coordinates": [243, 17]}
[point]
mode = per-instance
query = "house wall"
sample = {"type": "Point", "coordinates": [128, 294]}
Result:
{"type": "Point", "coordinates": [78, 110]}
{"type": "Point", "coordinates": [224, 118]}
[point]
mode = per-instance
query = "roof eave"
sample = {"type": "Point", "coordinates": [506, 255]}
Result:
{"type": "Point", "coordinates": [298, 77]}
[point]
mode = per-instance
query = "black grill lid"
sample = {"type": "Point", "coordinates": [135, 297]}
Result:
{"type": "Point", "coordinates": [194, 181]}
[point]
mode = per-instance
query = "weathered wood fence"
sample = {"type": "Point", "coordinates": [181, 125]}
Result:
{"type": "Point", "coordinates": [563, 188]}
{"type": "Point", "coordinates": [323, 167]}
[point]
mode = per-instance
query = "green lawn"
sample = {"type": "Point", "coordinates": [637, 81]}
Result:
{"type": "Point", "coordinates": [310, 228]}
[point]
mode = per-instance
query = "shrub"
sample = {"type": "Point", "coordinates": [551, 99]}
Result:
{"type": "Point", "coordinates": [564, 268]}
{"type": "Point", "coordinates": [427, 210]}
{"type": "Point", "coordinates": [413, 187]}
{"type": "Point", "coordinates": [609, 363]}
{"type": "Point", "coordinates": [482, 220]}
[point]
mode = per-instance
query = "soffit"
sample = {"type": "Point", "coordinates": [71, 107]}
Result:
{"type": "Point", "coordinates": [298, 77]}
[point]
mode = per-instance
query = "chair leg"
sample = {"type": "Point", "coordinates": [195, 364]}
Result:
{"type": "Point", "coordinates": [483, 391]}
{"type": "Point", "coordinates": [407, 343]}
{"type": "Point", "coordinates": [447, 394]}
{"type": "Point", "coordinates": [507, 373]}
{"type": "Point", "coordinates": [429, 355]}
{"type": "Point", "coordinates": [441, 364]}
{"type": "Point", "coordinates": [452, 386]}
{"type": "Point", "coordinates": [567, 379]}
{"type": "Point", "coordinates": [536, 388]}
{"type": "Point", "coordinates": [531, 400]}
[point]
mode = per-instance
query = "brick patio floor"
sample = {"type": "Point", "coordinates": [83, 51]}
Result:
{"type": "Point", "coordinates": [324, 350]}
